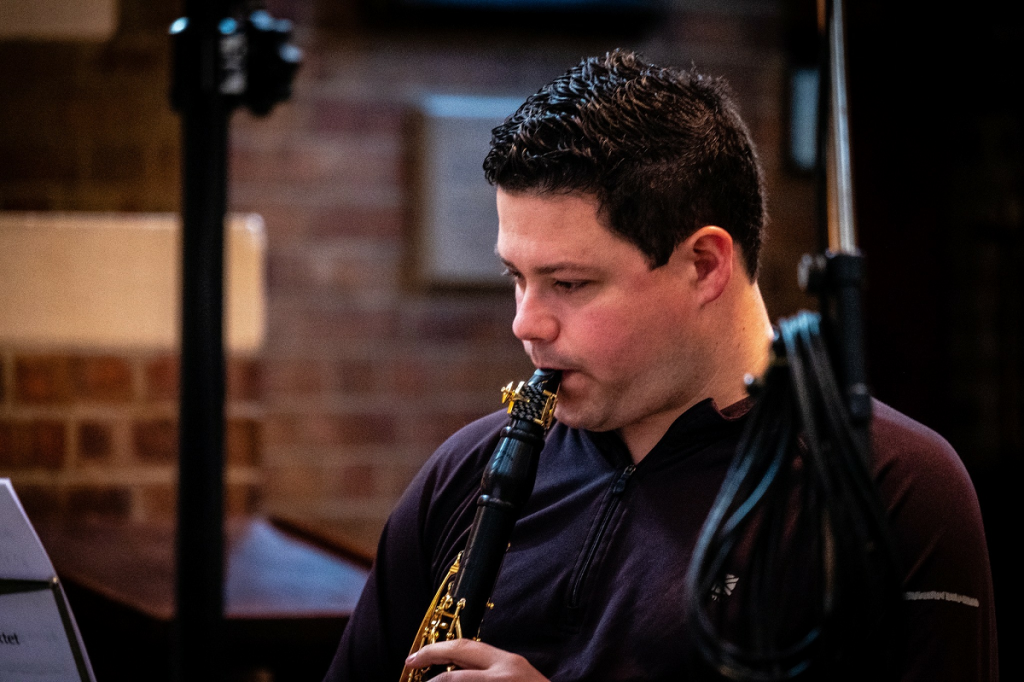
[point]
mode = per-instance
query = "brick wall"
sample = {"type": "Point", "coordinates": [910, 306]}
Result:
{"type": "Point", "coordinates": [86, 125]}
{"type": "Point", "coordinates": [361, 375]}
{"type": "Point", "coordinates": [96, 434]}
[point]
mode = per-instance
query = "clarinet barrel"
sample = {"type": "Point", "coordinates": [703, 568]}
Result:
{"type": "Point", "coordinates": [506, 485]}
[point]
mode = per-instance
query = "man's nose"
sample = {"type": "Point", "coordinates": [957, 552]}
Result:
{"type": "Point", "coordinates": [535, 321]}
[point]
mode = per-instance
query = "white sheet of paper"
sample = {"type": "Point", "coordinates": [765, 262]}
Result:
{"type": "Point", "coordinates": [33, 643]}
{"type": "Point", "coordinates": [22, 556]}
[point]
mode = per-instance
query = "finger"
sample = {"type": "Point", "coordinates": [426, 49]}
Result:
{"type": "Point", "coordinates": [468, 654]}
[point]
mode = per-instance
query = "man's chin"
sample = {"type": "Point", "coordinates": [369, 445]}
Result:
{"type": "Point", "coordinates": [576, 418]}
{"type": "Point", "coordinates": [566, 415]}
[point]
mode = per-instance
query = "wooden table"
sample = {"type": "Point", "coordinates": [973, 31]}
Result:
{"type": "Point", "coordinates": [356, 540]}
{"type": "Point", "coordinates": [286, 599]}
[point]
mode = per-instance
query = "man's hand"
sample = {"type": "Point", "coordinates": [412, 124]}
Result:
{"type": "Point", "coordinates": [476, 662]}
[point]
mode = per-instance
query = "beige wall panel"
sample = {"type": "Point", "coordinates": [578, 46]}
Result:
{"type": "Point", "coordinates": [58, 19]}
{"type": "Point", "coordinates": [98, 280]}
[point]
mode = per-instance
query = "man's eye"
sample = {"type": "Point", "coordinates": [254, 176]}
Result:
{"type": "Point", "coordinates": [570, 285]}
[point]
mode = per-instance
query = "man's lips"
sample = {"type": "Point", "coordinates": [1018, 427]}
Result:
{"type": "Point", "coordinates": [555, 367]}
{"type": "Point", "coordinates": [566, 367]}
{"type": "Point", "coordinates": [567, 372]}
{"type": "Point", "coordinates": [554, 364]}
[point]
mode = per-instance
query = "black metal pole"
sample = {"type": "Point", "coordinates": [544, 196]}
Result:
{"type": "Point", "coordinates": [837, 275]}
{"type": "Point", "coordinates": [200, 537]}
{"type": "Point", "coordinates": [220, 61]}
{"type": "Point", "coordinates": [846, 271]}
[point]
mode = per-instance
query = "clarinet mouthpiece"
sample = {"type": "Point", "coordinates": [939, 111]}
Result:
{"type": "Point", "coordinates": [534, 400]}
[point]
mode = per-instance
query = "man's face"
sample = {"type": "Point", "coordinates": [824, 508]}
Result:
{"type": "Point", "coordinates": [587, 302]}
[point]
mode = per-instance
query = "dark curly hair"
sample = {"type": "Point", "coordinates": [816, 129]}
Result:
{"type": "Point", "coordinates": [664, 150]}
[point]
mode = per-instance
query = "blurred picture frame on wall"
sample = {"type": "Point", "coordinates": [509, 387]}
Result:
{"type": "Point", "coordinates": [451, 216]}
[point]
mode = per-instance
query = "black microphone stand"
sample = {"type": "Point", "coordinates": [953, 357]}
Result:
{"type": "Point", "coordinates": [798, 505]}
{"type": "Point", "coordinates": [224, 56]}
{"type": "Point", "coordinates": [836, 276]}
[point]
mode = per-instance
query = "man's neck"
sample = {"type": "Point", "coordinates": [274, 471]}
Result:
{"type": "Point", "coordinates": [742, 335]}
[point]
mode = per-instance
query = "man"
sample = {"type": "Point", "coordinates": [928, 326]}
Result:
{"type": "Point", "coordinates": [630, 220]}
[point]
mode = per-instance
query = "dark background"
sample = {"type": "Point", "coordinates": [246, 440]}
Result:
{"type": "Point", "coordinates": [937, 127]}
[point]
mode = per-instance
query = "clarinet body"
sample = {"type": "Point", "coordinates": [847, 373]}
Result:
{"type": "Point", "coordinates": [462, 600]}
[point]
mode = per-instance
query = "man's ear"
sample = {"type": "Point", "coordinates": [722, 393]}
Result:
{"type": "Point", "coordinates": [711, 250]}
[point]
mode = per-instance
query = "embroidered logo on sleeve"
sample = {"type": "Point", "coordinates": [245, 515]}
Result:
{"type": "Point", "coordinates": [942, 596]}
{"type": "Point", "coordinates": [724, 588]}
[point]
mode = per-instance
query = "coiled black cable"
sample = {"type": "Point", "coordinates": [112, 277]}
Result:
{"type": "Point", "coordinates": [794, 574]}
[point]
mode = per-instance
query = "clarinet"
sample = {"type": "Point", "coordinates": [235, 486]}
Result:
{"type": "Point", "coordinates": [462, 600]}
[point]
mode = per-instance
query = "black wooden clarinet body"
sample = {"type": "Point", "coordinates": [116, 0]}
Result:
{"type": "Point", "coordinates": [462, 600]}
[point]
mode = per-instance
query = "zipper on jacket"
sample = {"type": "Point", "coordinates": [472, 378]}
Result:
{"type": "Point", "coordinates": [618, 486]}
